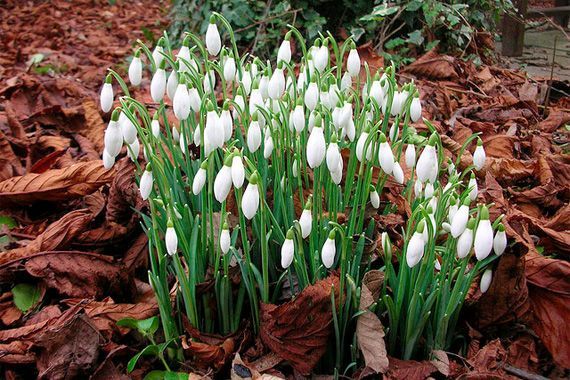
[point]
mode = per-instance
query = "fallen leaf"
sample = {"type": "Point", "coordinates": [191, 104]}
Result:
{"type": "Point", "coordinates": [431, 65]}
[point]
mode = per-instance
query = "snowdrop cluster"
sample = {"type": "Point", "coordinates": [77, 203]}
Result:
{"type": "Point", "coordinates": [253, 163]}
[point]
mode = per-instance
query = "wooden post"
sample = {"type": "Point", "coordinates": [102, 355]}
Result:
{"type": "Point", "coordinates": [513, 30]}
{"type": "Point", "coordinates": [561, 18]}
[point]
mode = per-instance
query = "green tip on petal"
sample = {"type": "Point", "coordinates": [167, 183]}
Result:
{"type": "Point", "coordinates": [186, 41]}
{"type": "Point", "coordinates": [429, 210]}
{"type": "Point", "coordinates": [148, 168]}
{"type": "Point", "coordinates": [332, 234]}
{"type": "Point", "coordinates": [382, 137]}
{"type": "Point", "coordinates": [484, 213]}
{"type": "Point", "coordinates": [288, 35]}
{"type": "Point", "coordinates": [479, 142]}
{"type": "Point", "coordinates": [109, 78]}
{"type": "Point", "coordinates": [228, 160]}
{"type": "Point", "coordinates": [138, 53]}
{"type": "Point", "coordinates": [466, 201]}
{"type": "Point", "coordinates": [501, 227]}
{"type": "Point", "coordinates": [169, 224]}
{"type": "Point", "coordinates": [226, 106]}
{"type": "Point", "coordinates": [225, 226]}
{"type": "Point", "coordinates": [254, 116]}
{"type": "Point", "coordinates": [432, 139]}
{"type": "Point", "coordinates": [212, 19]}
{"type": "Point", "coordinates": [254, 178]}
{"type": "Point", "coordinates": [116, 113]}
{"type": "Point", "coordinates": [471, 224]}
{"type": "Point", "coordinates": [333, 138]}
{"type": "Point", "coordinates": [421, 226]}
{"type": "Point", "coordinates": [204, 164]}
{"type": "Point", "coordinates": [309, 203]}
{"type": "Point", "coordinates": [290, 234]}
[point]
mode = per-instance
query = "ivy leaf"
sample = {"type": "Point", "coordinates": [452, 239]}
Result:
{"type": "Point", "coordinates": [166, 375]}
{"type": "Point", "coordinates": [150, 350]}
{"type": "Point", "coordinates": [145, 326]}
{"type": "Point", "coordinates": [25, 296]}
{"type": "Point", "coordinates": [416, 37]}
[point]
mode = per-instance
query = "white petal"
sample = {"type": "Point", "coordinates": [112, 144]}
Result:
{"type": "Point", "coordinates": [250, 201]}
{"type": "Point", "coordinates": [106, 97]}
{"type": "Point", "coordinates": [238, 172]}
{"type": "Point", "coordinates": [464, 243]}
{"type": "Point", "coordinates": [199, 181]}
{"type": "Point", "coordinates": [223, 183]}
{"type": "Point", "coordinates": [483, 239]}
{"type": "Point", "coordinates": [158, 85]}
{"type": "Point", "coordinates": [225, 241]}
{"type": "Point", "coordinates": [145, 185]}
{"type": "Point", "coordinates": [500, 243]}
{"type": "Point", "coordinates": [415, 250]}
{"type": "Point", "coordinates": [287, 253]}
{"type": "Point", "coordinates": [328, 253]}
{"type": "Point", "coordinates": [306, 222]}
{"type": "Point", "coordinates": [171, 241]}
{"type": "Point", "coordinates": [486, 279]}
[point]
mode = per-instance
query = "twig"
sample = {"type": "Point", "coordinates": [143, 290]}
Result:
{"type": "Point", "coordinates": [262, 25]}
{"type": "Point", "coordinates": [523, 374]}
{"type": "Point", "coordinates": [547, 101]}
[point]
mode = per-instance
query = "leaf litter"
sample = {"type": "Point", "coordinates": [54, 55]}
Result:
{"type": "Point", "coordinates": [77, 235]}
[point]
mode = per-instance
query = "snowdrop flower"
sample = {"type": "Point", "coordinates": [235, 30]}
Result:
{"type": "Point", "coordinates": [175, 134]}
{"type": "Point", "coordinates": [397, 103]}
{"type": "Point", "coordinates": [321, 57]}
{"type": "Point", "coordinates": [333, 154]}
{"type": "Point", "coordinates": [418, 188]}
{"type": "Point", "coordinates": [374, 197]}
{"type": "Point", "coordinates": [410, 156]}
{"type": "Point", "coordinates": [229, 69]}
{"type": "Point", "coordinates": [145, 185]}
{"type": "Point", "coordinates": [385, 155]}
{"type": "Point", "coordinates": [479, 156]}
{"type": "Point", "coordinates": [295, 168]}
{"type": "Point", "coordinates": [328, 251]}
{"type": "Point", "coordinates": [209, 83]}
{"type": "Point", "coordinates": [226, 121]}
{"type": "Point", "coordinates": [427, 166]}
{"type": "Point", "coordinates": [460, 219]}
{"type": "Point", "coordinates": [306, 220]}
{"type": "Point", "coordinates": [345, 81]}
{"type": "Point", "coordinates": [108, 160]}
{"type": "Point", "coordinates": [155, 126]}
{"type": "Point", "coordinates": [398, 173]}
{"type": "Point", "coordinates": [246, 81]}
{"type": "Point", "coordinates": [288, 250]}
{"type": "Point", "coordinates": [184, 59]}
{"type": "Point", "coordinates": [250, 200]}
{"type": "Point", "coordinates": [336, 175]}
{"type": "Point", "coordinates": [465, 241]}
{"type": "Point", "coordinates": [350, 130]}
{"type": "Point", "coordinates": [213, 40]}
{"type": "Point", "coordinates": [181, 101]}
{"type": "Point", "coordinates": [128, 129]}
{"type": "Point", "coordinates": [268, 146]}
{"type": "Point", "coordinates": [486, 279]}
{"type": "Point", "coordinates": [415, 250]}
{"type": "Point", "coordinates": [284, 53]}
{"type": "Point", "coordinates": [473, 186]}
{"type": "Point", "coordinates": [264, 85]}
{"type": "Point", "coordinates": [157, 56]}
{"type": "Point", "coordinates": [316, 145]}
{"type": "Point", "coordinates": [256, 101]}
{"type": "Point", "coordinates": [353, 62]}
{"type": "Point", "coordinates": [113, 135]}
{"type": "Point", "coordinates": [450, 167]}
{"type": "Point", "coordinates": [133, 150]}
{"type": "Point", "coordinates": [394, 132]}
{"type": "Point", "coordinates": [484, 235]}
{"type": "Point", "coordinates": [361, 144]}
{"type": "Point", "coordinates": [253, 134]}
{"type": "Point", "coordinates": [135, 69]}
{"type": "Point", "coordinates": [106, 98]}
{"type": "Point", "coordinates": [172, 84]}
{"type": "Point", "coordinates": [199, 178]}
{"type": "Point", "coordinates": [416, 109]}
{"type": "Point", "coordinates": [500, 240]}
{"type": "Point", "coordinates": [171, 238]}
{"type": "Point", "coordinates": [223, 182]}
{"type": "Point", "coordinates": [312, 95]}
{"type": "Point", "coordinates": [158, 84]}
{"type": "Point", "coordinates": [195, 101]}
{"type": "Point", "coordinates": [276, 86]}
{"type": "Point", "coordinates": [225, 238]}
{"type": "Point", "coordinates": [376, 92]}
{"type": "Point", "coordinates": [299, 117]}
{"type": "Point", "coordinates": [453, 207]}
{"type": "Point", "coordinates": [238, 171]}
{"type": "Point", "coordinates": [428, 191]}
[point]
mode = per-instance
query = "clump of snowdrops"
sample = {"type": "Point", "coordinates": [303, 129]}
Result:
{"type": "Point", "coordinates": [266, 170]}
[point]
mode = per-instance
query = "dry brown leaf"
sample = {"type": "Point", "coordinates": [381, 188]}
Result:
{"type": "Point", "coordinates": [554, 120]}
{"type": "Point", "coordinates": [298, 330]}
{"type": "Point", "coordinates": [55, 185]}
{"type": "Point", "coordinates": [94, 128]}
{"type": "Point", "coordinates": [409, 369]}
{"type": "Point", "coordinates": [369, 329]}
{"type": "Point", "coordinates": [433, 66]}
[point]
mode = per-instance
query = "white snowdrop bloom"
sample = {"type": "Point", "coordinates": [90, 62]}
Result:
{"type": "Point", "coordinates": [108, 160]}
{"type": "Point", "coordinates": [295, 168]}
{"type": "Point", "coordinates": [133, 150]}
{"type": "Point", "coordinates": [376, 92]}
{"type": "Point", "coordinates": [385, 156]}
{"type": "Point", "coordinates": [227, 122]}
{"type": "Point", "coordinates": [106, 99]}
{"type": "Point", "coordinates": [306, 221]}
{"type": "Point", "coordinates": [209, 82]}
{"type": "Point", "coordinates": [385, 83]}
{"type": "Point", "coordinates": [145, 185]}
{"type": "Point", "coordinates": [345, 81]}
{"type": "Point", "coordinates": [450, 168]}
{"type": "Point", "coordinates": [287, 250]}
{"type": "Point", "coordinates": [253, 136]}
{"type": "Point", "coordinates": [195, 101]}
{"type": "Point", "coordinates": [255, 101]}
{"type": "Point", "coordinates": [301, 80]}
{"type": "Point", "coordinates": [299, 118]}
{"type": "Point", "coordinates": [135, 70]}
{"type": "Point", "coordinates": [353, 63]}
{"type": "Point", "coordinates": [197, 136]}
{"type": "Point", "coordinates": [157, 56]}
{"type": "Point", "coordinates": [172, 84]}
{"type": "Point", "coordinates": [113, 136]}
{"type": "Point", "coordinates": [225, 239]}
{"type": "Point", "coordinates": [250, 200]}
{"type": "Point", "coordinates": [336, 175]}
{"type": "Point", "coordinates": [158, 85]}
{"type": "Point", "coordinates": [346, 114]}
{"type": "Point", "coordinates": [312, 96]}
{"type": "Point", "coordinates": [483, 235]}
{"type": "Point", "coordinates": [268, 146]}
{"type": "Point", "coordinates": [333, 95]}
{"type": "Point", "coordinates": [336, 115]}
{"type": "Point", "coordinates": [473, 186]}
{"type": "Point", "coordinates": [479, 156]}
{"type": "Point", "coordinates": [311, 122]}
{"type": "Point", "coordinates": [394, 132]}
{"type": "Point", "coordinates": [214, 129]}
{"type": "Point", "coordinates": [284, 53]}
{"type": "Point", "coordinates": [333, 155]}
{"type": "Point", "coordinates": [350, 130]}
{"type": "Point", "coordinates": [418, 188]}
{"type": "Point", "coordinates": [199, 179]}
{"type": "Point", "coordinates": [316, 148]}
{"type": "Point", "coordinates": [264, 87]}
{"type": "Point", "coordinates": [416, 109]}
{"type": "Point", "coordinates": [446, 227]}
{"type": "Point", "coordinates": [415, 250]}
{"type": "Point", "coordinates": [175, 134]}
{"type": "Point", "coordinates": [246, 81]}
{"type": "Point", "coordinates": [428, 191]}
{"type": "Point", "coordinates": [321, 58]}
{"type": "Point", "coordinates": [410, 156]}
{"type": "Point", "coordinates": [238, 171]}
{"type": "Point", "coordinates": [183, 143]}
{"type": "Point", "coordinates": [460, 219]}
{"type": "Point", "coordinates": [213, 40]}
{"type": "Point", "coordinates": [397, 103]}
{"type": "Point", "coordinates": [486, 279]}
{"type": "Point", "coordinates": [276, 86]}
{"type": "Point", "coordinates": [184, 56]}
{"type": "Point", "coordinates": [328, 252]}
{"type": "Point", "coordinates": [128, 129]}
{"type": "Point", "coordinates": [453, 207]}
{"type": "Point", "coordinates": [427, 166]}
{"type": "Point", "coordinates": [223, 183]}
{"type": "Point", "coordinates": [155, 127]}
{"type": "Point", "coordinates": [398, 173]}
{"type": "Point", "coordinates": [374, 198]}
{"type": "Point", "coordinates": [500, 240]}
{"type": "Point", "coordinates": [229, 69]}
{"type": "Point", "coordinates": [181, 102]}
{"type": "Point", "coordinates": [361, 144]}
{"type": "Point", "coordinates": [239, 105]}
{"type": "Point", "coordinates": [171, 239]}
{"type": "Point", "coordinates": [465, 241]}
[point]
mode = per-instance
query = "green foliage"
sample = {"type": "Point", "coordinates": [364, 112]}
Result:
{"type": "Point", "coordinates": [25, 296]}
